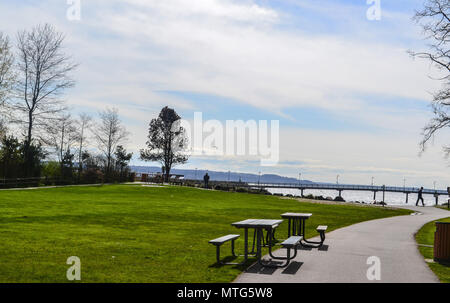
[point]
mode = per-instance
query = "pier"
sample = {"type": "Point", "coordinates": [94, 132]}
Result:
{"type": "Point", "coordinates": [342, 187]}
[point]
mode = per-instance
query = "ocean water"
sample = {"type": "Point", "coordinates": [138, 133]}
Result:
{"type": "Point", "coordinates": [362, 196]}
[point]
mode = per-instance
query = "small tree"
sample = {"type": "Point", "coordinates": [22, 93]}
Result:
{"type": "Point", "coordinates": [84, 124]}
{"type": "Point", "coordinates": [122, 160]}
{"type": "Point", "coordinates": [67, 166]}
{"type": "Point", "coordinates": [92, 173]}
{"type": "Point", "coordinates": [11, 159]}
{"type": "Point", "coordinates": [166, 141]}
{"type": "Point", "coordinates": [62, 136]}
{"type": "Point", "coordinates": [109, 133]}
{"type": "Point", "coordinates": [33, 155]}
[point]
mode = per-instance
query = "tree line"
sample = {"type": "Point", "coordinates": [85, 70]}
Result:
{"type": "Point", "coordinates": [39, 136]}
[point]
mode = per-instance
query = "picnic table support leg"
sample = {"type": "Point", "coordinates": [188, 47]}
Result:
{"type": "Point", "coordinates": [303, 232]}
{"type": "Point", "coordinates": [288, 257]}
{"type": "Point", "coordinates": [232, 252]}
{"type": "Point", "coordinates": [289, 227]}
{"type": "Point", "coordinates": [254, 239]}
{"type": "Point", "coordinates": [317, 244]}
{"type": "Point", "coordinates": [218, 254]}
{"type": "Point", "coordinates": [258, 244]}
{"type": "Point", "coordinates": [246, 252]}
{"type": "Point", "coordinates": [232, 248]}
{"type": "Point", "coordinates": [246, 245]}
{"type": "Point", "coordinates": [304, 236]}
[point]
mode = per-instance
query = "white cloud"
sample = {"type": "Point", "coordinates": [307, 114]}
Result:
{"type": "Point", "coordinates": [261, 65]}
{"type": "Point", "coordinates": [130, 50]}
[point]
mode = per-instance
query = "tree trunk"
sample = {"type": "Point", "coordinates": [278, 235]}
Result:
{"type": "Point", "coordinates": [166, 173]}
{"type": "Point", "coordinates": [27, 146]}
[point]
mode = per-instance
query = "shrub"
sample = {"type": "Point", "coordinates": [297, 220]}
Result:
{"type": "Point", "coordinates": [92, 176]}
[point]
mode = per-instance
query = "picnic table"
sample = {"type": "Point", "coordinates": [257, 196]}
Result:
{"type": "Point", "coordinates": [296, 227]}
{"type": "Point", "coordinates": [296, 223]}
{"type": "Point", "coordinates": [268, 225]}
{"type": "Point", "coordinates": [259, 225]}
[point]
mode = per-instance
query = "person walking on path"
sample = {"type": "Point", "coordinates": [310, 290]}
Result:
{"type": "Point", "coordinates": [419, 197]}
{"type": "Point", "coordinates": [206, 180]}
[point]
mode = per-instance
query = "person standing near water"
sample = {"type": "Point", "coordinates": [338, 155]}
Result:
{"type": "Point", "coordinates": [206, 180]}
{"type": "Point", "coordinates": [419, 197]}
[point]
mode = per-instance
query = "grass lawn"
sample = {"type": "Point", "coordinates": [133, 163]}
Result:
{"type": "Point", "coordinates": [426, 236]}
{"type": "Point", "coordinates": [130, 233]}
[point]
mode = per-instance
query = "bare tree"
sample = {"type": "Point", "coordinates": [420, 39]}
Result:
{"type": "Point", "coordinates": [44, 74]}
{"type": "Point", "coordinates": [435, 21]}
{"type": "Point", "coordinates": [108, 134]}
{"type": "Point", "coordinates": [84, 123]}
{"type": "Point", "coordinates": [7, 79]}
{"type": "Point", "coordinates": [7, 75]}
{"type": "Point", "coordinates": [62, 135]}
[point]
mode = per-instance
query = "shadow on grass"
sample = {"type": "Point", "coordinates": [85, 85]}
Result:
{"type": "Point", "coordinates": [443, 263]}
{"type": "Point", "coordinates": [232, 259]}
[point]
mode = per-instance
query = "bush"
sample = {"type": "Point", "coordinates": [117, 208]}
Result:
{"type": "Point", "coordinates": [92, 176]}
{"type": "Point", "coordinates": [51, 171]}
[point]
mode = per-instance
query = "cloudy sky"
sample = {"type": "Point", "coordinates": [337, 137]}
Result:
{"type": "Point", "coordinates": [349, 98]}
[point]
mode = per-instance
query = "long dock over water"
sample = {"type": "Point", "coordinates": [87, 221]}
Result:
{"type": "Point", "coordinates": [341, 187]}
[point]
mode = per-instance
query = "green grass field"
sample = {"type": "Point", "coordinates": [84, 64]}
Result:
{"type": "Point", "coordinates": [130, 233]}
{"type": "Point", "coordinates": [426, 236]}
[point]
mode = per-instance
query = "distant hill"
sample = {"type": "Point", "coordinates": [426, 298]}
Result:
{"type": "Point", "coordinates": [220, 176]}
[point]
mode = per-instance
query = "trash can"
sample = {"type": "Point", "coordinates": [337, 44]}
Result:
{"type": "Point", "coordinates": [442, 242]}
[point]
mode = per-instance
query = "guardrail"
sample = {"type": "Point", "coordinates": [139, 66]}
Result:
{"type": "Point", "coordinates": [324, 186]}
{"type": "Point", "coordinates": [342, 187]}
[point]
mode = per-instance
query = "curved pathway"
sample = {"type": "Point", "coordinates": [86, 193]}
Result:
{"type": "Point", "coordinates": [343, 258]}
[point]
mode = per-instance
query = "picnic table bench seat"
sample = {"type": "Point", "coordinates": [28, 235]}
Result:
{"type": "Point", "coordinates": [222, 240]}
{"type": "Point", "coordinates": [291, 241]}
{"type": "Point", "coordinates": [321, 229]}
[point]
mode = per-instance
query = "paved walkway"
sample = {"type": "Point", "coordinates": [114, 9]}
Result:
{"type": "Point", "coordinates": [343, 258]}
